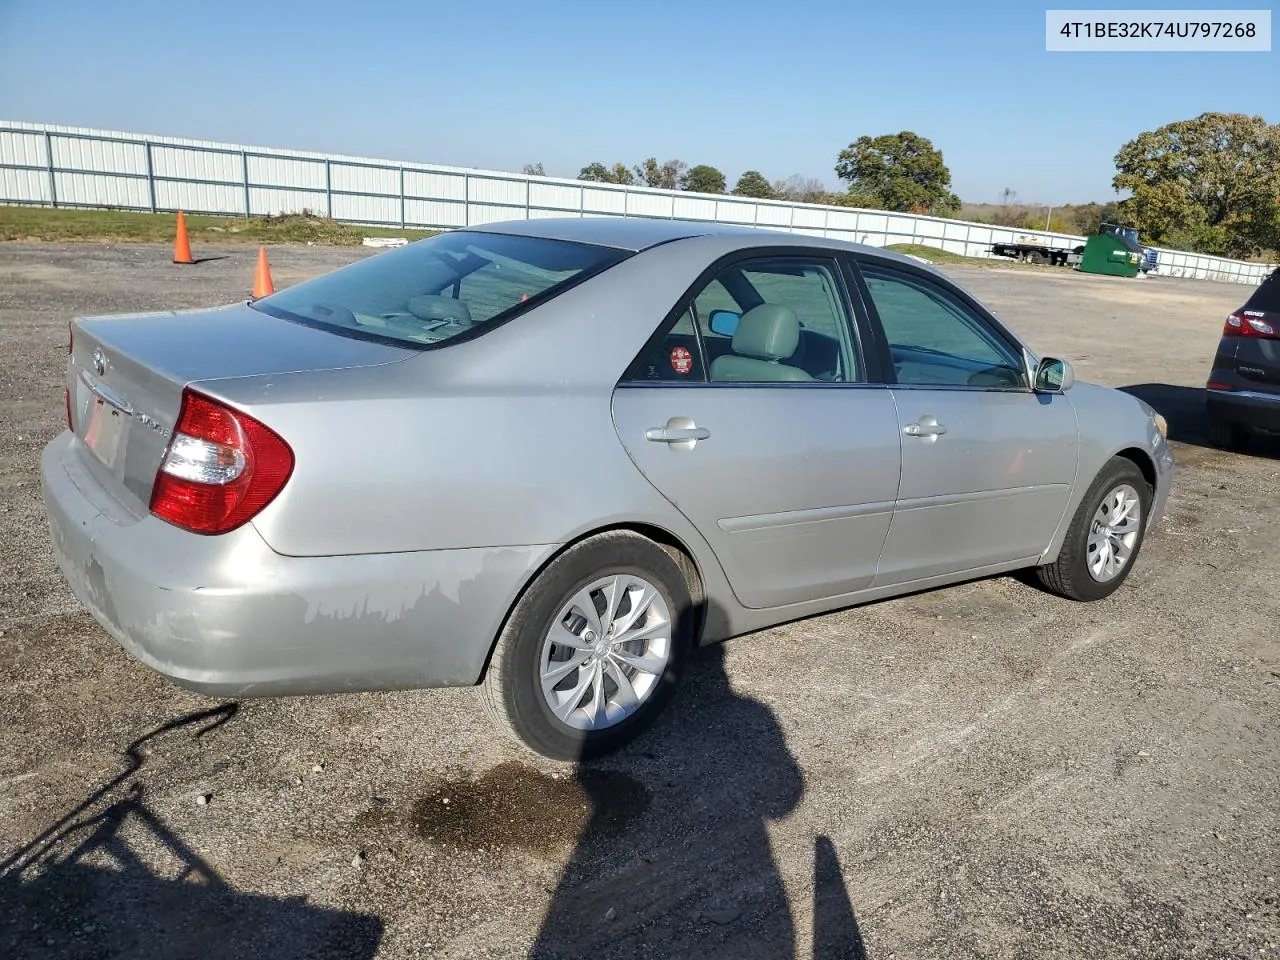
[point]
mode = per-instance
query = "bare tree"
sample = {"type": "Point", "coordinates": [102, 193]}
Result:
{"type": "Point", "coordinates": [800, 189]}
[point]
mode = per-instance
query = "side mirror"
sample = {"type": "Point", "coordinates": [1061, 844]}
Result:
{"type": "Point", "coordinates": [724, 322]}
{"type": "Point", "coordinates": [1054, 376]}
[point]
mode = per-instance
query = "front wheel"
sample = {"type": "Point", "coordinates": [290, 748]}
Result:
{"type": "Point", "coordinates": [1105, 535]}
{"type": "Point", "coordinates": [593, 650]}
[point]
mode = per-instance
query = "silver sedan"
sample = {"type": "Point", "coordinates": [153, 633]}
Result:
{"type": "Point", "coordinates": [549, 457]}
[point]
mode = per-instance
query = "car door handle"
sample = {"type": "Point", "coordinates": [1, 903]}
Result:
{"type": "Point", "coordinates": [676, 434]}
{"type": "Point", "coordinates": [680, 431]}
{"type": "Point", "coordinates": [926, 427]}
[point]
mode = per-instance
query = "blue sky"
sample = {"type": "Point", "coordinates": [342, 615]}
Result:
{"type": "Point", "coordinates": [773, 86]}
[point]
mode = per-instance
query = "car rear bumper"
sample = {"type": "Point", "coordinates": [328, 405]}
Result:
{"type": "Point", "coordinates": [227, 616]}
{"type": "Point", "coordinates": [1250, 408]}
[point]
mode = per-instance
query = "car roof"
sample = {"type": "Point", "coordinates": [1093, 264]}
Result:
{"type": "Point", "coordinates": [622, 233]}
{"type": "Point", "coordinates": [636, 234]}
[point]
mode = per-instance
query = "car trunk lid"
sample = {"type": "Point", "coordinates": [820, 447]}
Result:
{"type": "Point", "coordinates": [125, 377]}
{"type": "Point", "coordinates": [1258, 360]}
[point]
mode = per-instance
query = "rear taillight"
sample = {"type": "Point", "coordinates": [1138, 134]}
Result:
{"type": "Point", "coordinates": [220, 469]}
{"type": "Point", "coordinates": [1249, 323]}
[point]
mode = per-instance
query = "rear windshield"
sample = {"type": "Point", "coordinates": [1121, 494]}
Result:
{"type": "Point", "coordinates": [1267, 297]}
{"type": "Point", "coordinates": [451, 285]}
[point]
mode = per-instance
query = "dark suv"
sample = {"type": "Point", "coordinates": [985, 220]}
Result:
{"type": "Point", "coordinates": [1243, 391]}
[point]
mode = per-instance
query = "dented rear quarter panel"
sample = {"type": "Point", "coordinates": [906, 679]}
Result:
{"type": "Point", "coordinates": [227, 615]}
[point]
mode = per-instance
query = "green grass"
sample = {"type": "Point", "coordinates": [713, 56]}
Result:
{"type": "Point", "coordinates": [945, 257]}
{"type": "Point", "coordinates": [933, 253]}
{"type": "Point", "coordinates": [46, 223]}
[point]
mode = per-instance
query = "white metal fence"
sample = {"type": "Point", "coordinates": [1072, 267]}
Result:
{"type": "Point", "coordinates": [77, 167]}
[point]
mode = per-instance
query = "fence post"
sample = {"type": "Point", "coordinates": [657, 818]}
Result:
{"type": "Point", "coordinates": [53, 183]}
{"type": "Point", "coordinates": [466, 199]}
{"type": "Point", "coordinates": [328, 190]}
{"type": "Point", "coordinates": [826, 218]}
{"type": "Point", "coordinates": [151, 177]}
{"type": "Point", "coordinates": [791, 219]}
{"type": "Point", "coordinates": [244, 166]}
{"type": "Point", "coordinates": [528, 199]}
{"type": "Point", "coordinates": [402, 200]}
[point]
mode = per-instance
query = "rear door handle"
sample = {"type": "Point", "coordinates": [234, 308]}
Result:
{"type": "Point", "coordinates": [681, 433]}
{"type": "Point", "coordinates": [927, 428]}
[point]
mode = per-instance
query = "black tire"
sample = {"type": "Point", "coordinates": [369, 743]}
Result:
{"type": "Point", "coordinates": [1069, 576]}
{"type": "Point", "coordinates": [512, 690]}
{"type": "Point", "coordinates": [1226, 435]}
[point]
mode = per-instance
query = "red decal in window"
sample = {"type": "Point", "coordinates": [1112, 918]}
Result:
{"type": "Point", "coordinates": [681, 360]}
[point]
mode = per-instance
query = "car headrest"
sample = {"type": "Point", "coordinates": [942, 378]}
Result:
{"type": "Point", "coordinates": [430, 306]}
{"type": "Point", "coordinates": [767, 332]}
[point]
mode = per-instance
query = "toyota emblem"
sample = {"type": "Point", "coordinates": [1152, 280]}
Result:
{"type": "Point", "coordinates": [99, 361]}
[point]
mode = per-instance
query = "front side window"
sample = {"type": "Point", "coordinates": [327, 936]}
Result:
{"type": "Point", "coordinates": [431, 291]}
{"type": "Point", "coordinates": [937, 339]}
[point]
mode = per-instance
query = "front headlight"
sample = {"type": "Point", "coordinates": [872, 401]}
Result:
{"type": "Point", "coordinates": [1162, 425]}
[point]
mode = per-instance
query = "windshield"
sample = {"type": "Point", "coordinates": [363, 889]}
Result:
{"type": "Point", "coordinates": [440, 288]}
{"type": "Point", "coordinates": [1267, 297]}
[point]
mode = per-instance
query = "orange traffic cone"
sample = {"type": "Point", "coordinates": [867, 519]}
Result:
{"type": "Point", "coordinates": [262, 285]}
{"type": "Point", "coordinates": [181, 244]}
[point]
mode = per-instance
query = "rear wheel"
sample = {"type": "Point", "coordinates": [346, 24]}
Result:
{"type": "Point", "coordinates": [1226, 435]}
{"type": "Point", "coordinates": [1105, 535]}
{"type": "Point", "coordinates": [593, 650]}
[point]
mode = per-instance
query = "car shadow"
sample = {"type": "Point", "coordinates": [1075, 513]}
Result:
{"type": "Point", "coordinates": [693, 873]}
{"type": "Point", "coordinates": [1184, 409]}
{"type": "Point", "coordinates": [82, 888]}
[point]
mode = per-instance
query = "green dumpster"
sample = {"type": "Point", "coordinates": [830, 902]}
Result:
{"type": "Point", "coordinates": [1112, 255]}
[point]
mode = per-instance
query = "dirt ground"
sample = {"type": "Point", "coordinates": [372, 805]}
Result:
{"type": "Point", "coordinates": [981, 771]}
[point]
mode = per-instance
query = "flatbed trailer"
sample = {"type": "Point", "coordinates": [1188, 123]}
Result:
{"type": "Point", "coordinates": [1032, 252]}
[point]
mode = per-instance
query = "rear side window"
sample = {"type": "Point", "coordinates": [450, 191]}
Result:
{"type": "Point", "coordinates": [772, 319]}
{"type": "Point", "coordinates": [443, 287]}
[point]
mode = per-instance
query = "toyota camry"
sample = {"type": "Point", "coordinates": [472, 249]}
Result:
{"type": "Point", "coordinates": [549, 457]}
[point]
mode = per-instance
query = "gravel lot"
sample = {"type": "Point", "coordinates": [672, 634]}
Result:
{"type": "Point", "coordinates": [982, 771]}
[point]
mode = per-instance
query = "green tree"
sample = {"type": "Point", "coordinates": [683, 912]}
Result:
{"type": "Point", "coordinates": [665, 176]}
{"type": "Point", "coordinates": [753, 184]}
{"type": "Point", "coordinates": [598, 172]}
{"type": "Point", "coordinates": [850, 199]}
{"type": "Point", "coordinates": [1091, 216]}
{"type": "Point", "coordinates": [702, 178]}
{"type": "Point", "coordinates": [1211, 182]}
{"type": "Point", "coordinates": [902, 171]}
